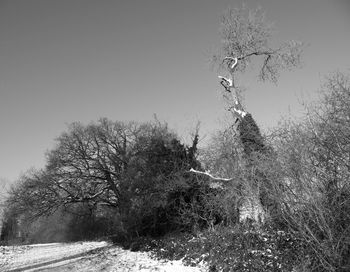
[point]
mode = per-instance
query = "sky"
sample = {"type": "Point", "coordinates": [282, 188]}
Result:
{"type": "Point", "coordinates": [73, 60]}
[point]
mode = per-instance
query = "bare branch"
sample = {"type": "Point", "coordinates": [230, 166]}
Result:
{"type": "Point", "coordinates": [258, 53]}
{"type": "Point", "coordinates": [245, 34]}
{"type": "Point", "coordinates": [206, 173]}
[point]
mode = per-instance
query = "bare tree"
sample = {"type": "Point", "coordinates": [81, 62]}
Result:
{"type": "Point", "coordinates": [91, 162]}
{"type": "Point", "coordinates": [88, 165]}
{"type": "Point", "coordinates": [245, 36]}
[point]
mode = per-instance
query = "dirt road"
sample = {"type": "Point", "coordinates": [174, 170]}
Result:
{"type": "Point", "coordinates": [85, 256]}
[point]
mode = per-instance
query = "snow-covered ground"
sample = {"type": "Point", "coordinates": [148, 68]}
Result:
{"type": "Point", "coordinates": [83, 256]}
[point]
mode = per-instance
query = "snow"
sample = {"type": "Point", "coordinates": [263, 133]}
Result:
{"type": "Point", "coordinates": [234, 61]}
{"type": "Point", "coordinates": [83, 256]}
{"type": "Point", "coordinates": [240, 112]}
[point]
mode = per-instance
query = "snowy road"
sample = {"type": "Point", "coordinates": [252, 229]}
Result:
{"type": "Point", "coordinates": [84, 256]}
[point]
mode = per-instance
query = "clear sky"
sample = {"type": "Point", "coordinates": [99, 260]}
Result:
{"type": "Point", "coordinates": [70, 60]}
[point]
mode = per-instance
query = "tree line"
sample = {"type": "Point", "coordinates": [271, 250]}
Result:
{"type": "Point", "coordinates": [138, 172]}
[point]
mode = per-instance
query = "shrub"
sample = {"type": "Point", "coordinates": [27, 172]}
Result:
{"type": "Point", "coordinates": [243, 248]}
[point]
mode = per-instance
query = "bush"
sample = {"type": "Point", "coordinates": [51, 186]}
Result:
{"type": "Point", "coordinates": [243, 248]}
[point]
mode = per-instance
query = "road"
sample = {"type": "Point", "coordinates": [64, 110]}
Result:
{"type": "Point", "coordinates": [82, 256]}
{"type": "Point", "coordinates": [40, 257]}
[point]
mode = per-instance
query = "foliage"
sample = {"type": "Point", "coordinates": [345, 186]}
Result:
{"type": "Point", "coordinates": [165, 197]}
{"type": "Point", "coordinates": [246, 157]}
{"type": "Point", "coordinates": [250, 136]}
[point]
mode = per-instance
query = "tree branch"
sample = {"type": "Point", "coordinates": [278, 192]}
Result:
{"type": "Point", "coordinates": [206, 173]}
{"type": "Point", "coordinates": [259, 53]}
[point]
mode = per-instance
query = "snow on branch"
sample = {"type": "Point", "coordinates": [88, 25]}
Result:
{"type": "Point", "coordinates": [233, 62]}
{"type": "Point", "coordinates": [206, 173]}
{"type": "Point", "coordinates": [240, 112]}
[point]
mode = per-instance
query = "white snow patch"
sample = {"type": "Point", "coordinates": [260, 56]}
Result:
{"type": "Point", "coordinates": [240, 112]}
{"type": "Point", "coordinates": [82, 256]}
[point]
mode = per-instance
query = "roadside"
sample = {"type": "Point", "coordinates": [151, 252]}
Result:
{"type": "Point", "coordinates": [82, 256]}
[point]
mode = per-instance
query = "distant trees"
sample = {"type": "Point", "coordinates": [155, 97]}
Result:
{"type": "Point", "coordinates": [4, 187]}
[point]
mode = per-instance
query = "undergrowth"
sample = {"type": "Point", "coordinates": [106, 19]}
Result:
{"type": "Point", "coordinates": [240, 248]}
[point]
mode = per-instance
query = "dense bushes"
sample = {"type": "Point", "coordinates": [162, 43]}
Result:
{"type": "Point", "coordinates": [236, 248]}
{"type": "Point", "coordinates": [314, 157]}
{"type": "Point", "coordinates": [303, 182]}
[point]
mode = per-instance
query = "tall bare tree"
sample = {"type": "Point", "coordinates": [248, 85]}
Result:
{"type": "Point", "coordinates": [246, 38]}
